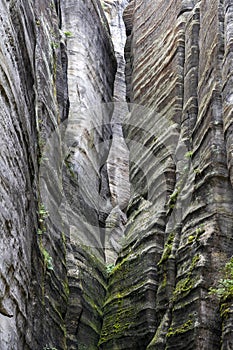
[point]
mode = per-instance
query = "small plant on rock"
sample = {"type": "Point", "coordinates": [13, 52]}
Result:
{"type": "Point", "coordinates": [109, 268]}
{"type": "Point", "coordinates": [48, 260]}
{"type": "Point", "coordinates": [43, 214]}
{"type": "Point", "coordinates": [224, 289]}
{"type": "Point", "coordinates": [189, 154]}
{"type": "Point", "coordinates": [104, 6]}
{"type": "Point", "coordinates": [68, 34]}
{"type": "Point", "coordinates": [173, 197]}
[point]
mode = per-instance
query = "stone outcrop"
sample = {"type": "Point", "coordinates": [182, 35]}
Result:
{"type": "Point", "coordinates": [116, 220]}
{"type": "Point", "coordinates": [177, 57]}
{"type": "Point", "coordinates": [33, 101]}
{"type": "Point", "coordinates": [118, 158]}
{"type": "Point", "coordinates": [44, 55]}
{"type": "Point", "coordinates": [91, 71]}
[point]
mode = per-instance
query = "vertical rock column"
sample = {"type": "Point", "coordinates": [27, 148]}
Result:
{"type": "Point", "coordinates": [161, 282]}
{"type": "Point", "coordinates": [51, 108]}
{"type": "Point", "coordinates": [205, 243]}
{"type": "Point", "coordinates": [118, 158]}
{"type": "Point", "coordinates": [130, 315]}
{"type": "Point", "coordinates": [227, 98]}
{"type": "Point", "coordinates": [18, 169]}
{"type": "Point", "coordinates": [33, 101]}
{"type": "Point", "coordinates": [91, 72]}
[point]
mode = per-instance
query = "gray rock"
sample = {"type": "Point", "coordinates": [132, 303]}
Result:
{"type": "Point", "coordinates": [115, 219]}
{"type": "Point", "coordinates": [174, 65]}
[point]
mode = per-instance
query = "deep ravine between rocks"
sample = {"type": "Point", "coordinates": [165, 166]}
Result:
{"type": "Point", "coordinates": [116, 175]}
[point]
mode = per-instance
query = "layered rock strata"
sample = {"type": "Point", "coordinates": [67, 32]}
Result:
{"type": "Point", "coordinates": [148, 186]}
{"type": "Point", "coordinates": [178, 65]}
{"type": "Point", "coordinates": [33, 101]}
{"type": "Point", "coordinates": [39, 215]}
{"type": "Point", "coordinates": [91, 71]}
{"type": "Point", "coordinates": [118, 158]}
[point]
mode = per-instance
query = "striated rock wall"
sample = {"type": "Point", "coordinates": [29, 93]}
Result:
{"type": "Point", "coordinates": [118, 158]}
{"type": "Point", "coordinates": [33, 101]}
{"type": "Point", "coordinates": [18, 166]}
{"type": "Point", "coordinates": [91, 71]}
{"type": "Point", "coordinates": [178, 64]}
{"type": "Point", "coordinates": [53, 277]}
{"type": "Point", "coordinates": [87, 184]}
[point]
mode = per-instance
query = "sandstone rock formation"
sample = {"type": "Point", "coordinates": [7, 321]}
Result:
{"type": "Point", "coordinates": [33, 101]}
{"type": "Point", "coordinates": [116, 219]}
{"type": "Point", "coordinates": [177, 55]}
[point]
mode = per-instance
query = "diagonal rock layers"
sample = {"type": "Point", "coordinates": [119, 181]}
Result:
{"type": "Point", "coordinates": [177, 56]}
{"type": "Point", "coordinates": [116, 218]}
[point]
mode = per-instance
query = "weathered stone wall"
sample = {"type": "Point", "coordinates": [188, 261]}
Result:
{"type": "Point", "coordinates": [57, 213]}
{"type": "Point", "coordinates": [118, 158]}
{"type": "Point", "coordinates": [43, 260]}
{"type": "Point", "coordinates": [33, 101]}
{"type": "Point", "coordinates": [178, 64]}
{"type": "Point", "coordinates": [18, 168]}
{"type": "Point", "coordinates": [91, 71]}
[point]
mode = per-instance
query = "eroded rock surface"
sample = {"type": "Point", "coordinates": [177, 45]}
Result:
{"type": "Point", "coordinates": [91, 71]}
{"type": "Point", "coordinates": [118, 158]}
{"type": "Point", "coordinates": [33, 101]}
{"type": "Point", "coordinates": [115, 220]}
{"type": "Point", "coordinates": [177, 57]}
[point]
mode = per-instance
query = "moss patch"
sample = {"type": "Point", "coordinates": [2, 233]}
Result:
{"type": "Point", "coordinates": [117, 323]}
{"type": "Point", "coordinates": [167, 248]}
{"type": "Point", "coordinates": [224, 288]}
{"type": "Point", "coordinates": [194, 236]}
{"type": "Point", "coordinates": [185, 285]}
{"type": "Point", "coordinates": [191, 239]}
{"type": "Point", "coordinates": [185, 327]}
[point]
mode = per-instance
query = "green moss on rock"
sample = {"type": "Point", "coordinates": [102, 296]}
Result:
{"type": "Point", "coordinates": [185, 327]}
{"type": "Point", "coordinates": [167, 249]}
{"type": "Point", "coordinates": [185, 285]}
{"type": "Point", "coordinates": [224, 288]}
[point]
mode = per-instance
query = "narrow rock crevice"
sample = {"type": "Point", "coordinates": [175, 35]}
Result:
{"type": "Point", "coordinates": [118, 157]}
{"type": "Point", "coordinates": [116, 174]}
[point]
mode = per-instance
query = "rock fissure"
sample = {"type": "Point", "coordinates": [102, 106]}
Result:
{"type": "Point", "coordinates": [116, 174]}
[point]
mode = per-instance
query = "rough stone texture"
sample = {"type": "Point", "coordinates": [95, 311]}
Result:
{"type": "Point", "coordinates": [114, 12]}
{"type": "Point", "coordinates": [18, 154]}
{"type": "Point", "coordinates": [91, 71]}
{"type": "Point", "coordinates": [118, 158]}
{"type": "Point", "coordinates": [64, 218]}
{"type": "Point", "coordinates": [52, 242]}
{"type": "Point", "coordinates": [227, 13]}
{"type": "Point", "coordinates": [33, 100]}
{"type": "Point", "coordinates": [178, 64]}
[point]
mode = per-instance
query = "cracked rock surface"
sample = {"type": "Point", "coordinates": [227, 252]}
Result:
{"type": "Point", "coordinates": [116, 174]}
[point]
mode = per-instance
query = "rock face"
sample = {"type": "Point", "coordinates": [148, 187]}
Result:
{"type": "Point", "coordinates": [91, 70]}
{"type": "Point", "coordinates": [118, 158]}
{"type": "Point", "coordinates": [177, 57]}
{"type": "Point", "coordinates": [33, 101]}
{"type": "Point", "coordinates": [116, 219]}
